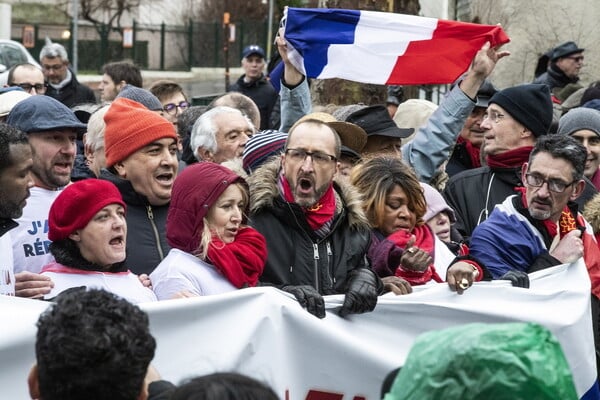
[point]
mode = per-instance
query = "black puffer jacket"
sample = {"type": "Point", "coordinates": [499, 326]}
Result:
{"type": "Point", "coordinates": [263, 94]}
{"type": "Point", "coordinates": [474, 193]}
{"type": "Point", "coordinates": [73, 93]}
{"type": "Point", "coordinates": [295, 255]}
{"type": "Point", "coordinates": [146, 227]}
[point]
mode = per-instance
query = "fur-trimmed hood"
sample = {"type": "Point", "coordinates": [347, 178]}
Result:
{"type": "Point", "coordinates": [264, 190]}
{"type": "Point", "coordinates": [591, 212]}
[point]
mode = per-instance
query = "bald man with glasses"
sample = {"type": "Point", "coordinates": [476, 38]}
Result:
{"type": "Point", "coordinates": [28, 77]}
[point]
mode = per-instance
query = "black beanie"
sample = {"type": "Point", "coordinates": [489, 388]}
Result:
{"type": "Point", "coordinates": [529, 104]}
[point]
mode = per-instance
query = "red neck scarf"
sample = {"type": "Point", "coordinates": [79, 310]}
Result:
{"type": "Point", "coordinates": [424, 240]}
{"type": "Point", "coordinates": [509, 159]}
{"type": "Point", "coordinates": [566, 222]}
{"type": "Point", "coordinates": [474, 152]}
{"type": "Point", "coordinates": [241, 261]}
{"type": "Point", "coordinates": [596, 179]}
{"type": "Point", "coordinates": [318, 214]}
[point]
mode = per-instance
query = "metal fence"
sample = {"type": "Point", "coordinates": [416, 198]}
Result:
{"type": "Point", "coordinates": [155, 47]}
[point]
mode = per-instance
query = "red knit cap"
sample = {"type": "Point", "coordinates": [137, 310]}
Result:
{"type": "Point", "coordinates": [77, 205]}
{"type": "Point", "coordinates": [131, 126]}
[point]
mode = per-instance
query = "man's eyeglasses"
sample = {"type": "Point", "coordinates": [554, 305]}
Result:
{"type": "Point", "coordinates": [39, 87]}
{"type": "Point", "coordinates": [171, 108]}
{"type": "Point", "coordinates": [494, 116]}
{"type": "Point", "coordinates": [56, 67]}
{"type": "Point", "coordinates": [299, 155]}
{"type": "Point", "coordinates": [554, 185]}
{"type": "Point", "coordinates": [576, 59]}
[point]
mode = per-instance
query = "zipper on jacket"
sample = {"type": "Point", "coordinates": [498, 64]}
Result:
{"type": "Point", "coordinates": [316, 259]}
{"type": "Point", "coordinates": [155, 229]}
{"type": "Point", "coordinates": [329, 265]}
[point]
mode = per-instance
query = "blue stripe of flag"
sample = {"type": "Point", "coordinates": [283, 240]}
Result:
{"type": "Point", "coordinates": [319, 28]}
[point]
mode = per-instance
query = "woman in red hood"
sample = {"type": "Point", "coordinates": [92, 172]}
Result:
{"type": "Point", "coordinates": [213, 251]}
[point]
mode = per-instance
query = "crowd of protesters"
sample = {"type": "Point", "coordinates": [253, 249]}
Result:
{"type": "Point", "coordinates": [169, 200]}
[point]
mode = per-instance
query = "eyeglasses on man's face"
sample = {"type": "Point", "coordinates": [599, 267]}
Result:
{"type": "Point", "coordinates": [554, 185]}
{"type": "Point", "coordinates": [577, 59]}
{"type": "Point", "coordinates": [171, 108]}
{"type": "Point", "coordinates": [55, 67]}
{"type": "Point", "coordinates": [493, 116]}
{"type": "Point", "coordinates": [39, 87]}
{"type": "Point", "coordinates": [317, 157]}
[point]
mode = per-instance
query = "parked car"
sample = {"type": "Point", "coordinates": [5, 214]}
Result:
{"type": "Point", "coordinates": [12, 53]}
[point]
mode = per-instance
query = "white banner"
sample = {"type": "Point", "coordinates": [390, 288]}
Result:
{"type": "Point", "coordinates": [264, 333]}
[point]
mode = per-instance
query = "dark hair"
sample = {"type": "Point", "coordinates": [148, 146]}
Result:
{"type": "Point", "coordinates": [124, 71]}
{"type": "Point", "coordinates": [66, 252]}
{"type": "Point", "coordinates": [336, 137]}
{"type": "Point", "coordinates": [9, 135]}
{"type": "Point", "coordinates": [591, 93]}
{"type": "Point", "coordinates": [92, 345]}
{"type": "Point", "coordinates": [186, 120]}
{"type": "Point", "coordinates": [164, 88]}
{"type": "Point", "coordinates": [10, 79]}
{"type": "Point", "coordinates": [224, 386]}
{"type": "Point", "coordinates": [376, 177]}
{"type": "Point", "coordinates": [565, 147]}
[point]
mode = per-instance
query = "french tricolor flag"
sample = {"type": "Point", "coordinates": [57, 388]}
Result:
{"type": "Point", "coordinates": [383, 48]}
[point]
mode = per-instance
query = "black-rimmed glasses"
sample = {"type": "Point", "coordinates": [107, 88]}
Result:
{"type": "Point", "coordinates": [39, 87]}
{"type": "Point", "coordinates": [299, 155]}
{"type": "Point", "coordinates": [554, 185]}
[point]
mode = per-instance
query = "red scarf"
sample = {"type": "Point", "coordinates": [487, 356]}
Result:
{"type": "Point", "coordinates": [318, 214]}
{"type": "Point", "coordinates": [591, 251]}
{"type": "Point", "coordinates": [509, 159]}
{"type": "Point", "coordinates": [241, 261]}
{"type": "Point", "coordinates": [424, 240]}
{"type": "Point", "coordinates": [596, 179]}
{"type": "Point", "coordinates": [474, 152]}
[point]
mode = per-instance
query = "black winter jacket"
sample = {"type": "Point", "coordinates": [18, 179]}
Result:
{"type": "Point", "coordinates": [263, 94]}
{"type": "Point", "coordinates": [459, 161]}
{"type": "Point", "coordinates": [73, 93]}
{"type": "Point", "coordinates": [554, 77]}
{"type": "Point", "coordinates": [474, 193]}
{"type": "Point", "coordinates": [295, 255]}
{"type": "Point", "coordinates": [146, 227]}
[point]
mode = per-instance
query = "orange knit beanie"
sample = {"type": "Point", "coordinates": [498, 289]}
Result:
{"type": "Point", "coordinates": [131, 126]}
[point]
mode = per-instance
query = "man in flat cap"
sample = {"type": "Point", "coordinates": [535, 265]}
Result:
{"type": "Point", "coordinates": [52, 130]}
{"type": "Point", "coordinates": [565, 64]}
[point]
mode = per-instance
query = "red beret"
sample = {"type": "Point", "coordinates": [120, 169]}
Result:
{"type": "Point", "coordinates": [77, 205]}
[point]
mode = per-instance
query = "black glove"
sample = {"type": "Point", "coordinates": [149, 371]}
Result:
{"type": "Point", "coordinates": [517, 278]}
{"type": "Point", "coordinates": [361, 292]}
{"type": "Point", "coordinates": [309, 298]}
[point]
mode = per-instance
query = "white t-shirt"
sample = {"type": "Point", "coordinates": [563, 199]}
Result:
{"type": "Point", "coordinates": [30, 238]}
{"type": "Point", "coordinates": [123, 284]}
{"type": "Point", "coordinates": [183, 271]}
{"type": "Point", "coordinates": [7, 276]}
